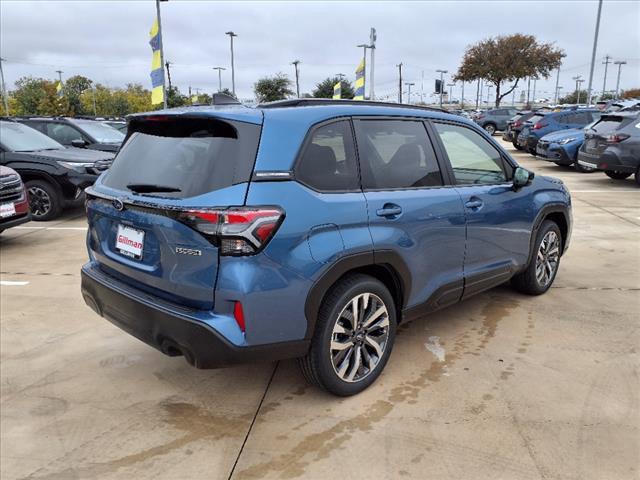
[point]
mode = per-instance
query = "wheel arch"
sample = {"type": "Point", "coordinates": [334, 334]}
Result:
{"type": "Point", "coordinates": [557, 213]}
{"type": "Point", "coordinates": [385, 265]}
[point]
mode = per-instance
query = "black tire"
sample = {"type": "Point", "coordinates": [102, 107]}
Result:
{"type": "Point", "coordinates": [516, 146]}
{"type": "Point", "coordinates": [617, 175]}
{"type": "Point", "coordinates": [527, 281]}
{"type": "Point", "coordinates": [490, 128]}
{"type": "Point", "coordinates": [637, 176]}
{"type": "Point", "coordinates": [318, 367]}
{"type": "Point", "coordinates": [45, 202]}
{"type": "Point", "coordinates": [532, 151]}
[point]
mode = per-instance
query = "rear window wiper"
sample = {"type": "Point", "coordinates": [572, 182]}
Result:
{"type": "Point", "coordinates": [150, 188]}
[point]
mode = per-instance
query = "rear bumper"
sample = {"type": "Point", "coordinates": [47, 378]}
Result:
{"type": "Point", "coordinates": [608, 161]}
{"type": "Point", "coordinates": [170, 330]}
{"type": "Point", "coordinates": [15, 221]}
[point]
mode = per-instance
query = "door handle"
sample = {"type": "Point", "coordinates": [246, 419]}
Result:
{"type": "Point", "coordinates": [474, 204]}
{"type": "Point", "coordinates": [389, 210]}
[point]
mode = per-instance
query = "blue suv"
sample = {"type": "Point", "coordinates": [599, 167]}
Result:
{"type": "Point", "coordinates": [310, 229]}
{"type": "Point", "coordinates": [562, 147]}
{"type": "Point", "coordinates": [543, 123]}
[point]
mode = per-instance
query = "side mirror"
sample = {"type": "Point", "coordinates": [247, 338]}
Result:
{"type": "Point", "coordinates": [522, 177]}
{"type": "Point", "coordinates": [78, 143]}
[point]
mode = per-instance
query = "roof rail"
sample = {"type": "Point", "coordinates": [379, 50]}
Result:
{"type": "Point", "coordinates": [305, 102]}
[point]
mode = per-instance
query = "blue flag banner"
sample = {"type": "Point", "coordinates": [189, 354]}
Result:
{"type": "Point", "coordinates": [157, 70]}
{"type": "Point", "coordinates": [360, 81]}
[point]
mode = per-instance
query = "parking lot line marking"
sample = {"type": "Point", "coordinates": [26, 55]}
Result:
{"type": "Point", "coordinates": [9, 283]}
{"type": "Point", "coordinates": [603, 191]}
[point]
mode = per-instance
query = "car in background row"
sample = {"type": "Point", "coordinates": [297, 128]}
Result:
{"type": "Point", "coordinates": [14, 206]}
{"type": "Point", "coordinates": [543, 123]}
{"type": "Point", "coordinates": [55, 176]}
{"type": "Point", "coordinates": [77, 132]}
{"type": "Point", "coordinates": [514, 125]}
{"type": "Point", "coordinates": [119, 125]}
{"type": "Point", "coordinates": [495, 119]}
{"type": "Point", "coordinates": [561, 147]}
{"type": "Point", "coordinates": [613, 146]}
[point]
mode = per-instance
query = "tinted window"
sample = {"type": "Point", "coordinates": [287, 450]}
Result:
{"type": "Point", "coordinates": [63, 133]}
{"type": "Point", "coordinates": [328, 161]}
{"type": "Point", "coordinates": [16, 137]}
{"type": "Point", "coordinates": [396, 154]}
{"type": "Point", "coordinates": [473, 159]}
{"type": "Point", "coordinates": [195, 156]}
{"type": "Point", "coordinates": [100, 132]}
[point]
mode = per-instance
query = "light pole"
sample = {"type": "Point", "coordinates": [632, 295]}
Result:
{"type": "Point", "coordinates": [6, 100]}
{"type": "Point", "coordinates": [593, 53]}
{"type": "Point", "coordinates": [558, 88]}
{"type": "Point", "coordinates": [373, 36]}
{"type": "Point", "coordinates": [160, 42]}
{"type": "Point", "coordinates": [233, 70]}
{"type": "Point", "coordinates": [535, 79]}
{"type": "Point", "coordinates": [488, 94]}
{"type": "Point", "coordinates": [441, 72]}
{"type": "Point", "coordinates": [578, 79]}
{"type": "Point", "coordinates": [451, 91]}
{"type": "Point", "coordinates": [219, 69]}
{"type": "Point", "coordinates": [579, 82]}
{"type": "Point", "coordinates": [399, 82]}
{"type": "Point", "coordinates": [478, 95]}
{"type": "Point", "coordinates": [462, 95]}
{"type": "Point", "coordinates": [555, 100]}
{"type": "Point", "coordinates": [619, 63]}
{"type": "Point", "coordinates": [607, 61]}
{"type": "Point", "coordinates": [295, 63]}
{"type": "Point", "coordinates": [409, 84]}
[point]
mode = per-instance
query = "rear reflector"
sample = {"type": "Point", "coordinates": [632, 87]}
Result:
{"type": "Point", "coordinates": [238, 314]}
{"type": "Point", "coordinates": [617, 137]}
{"type": "Point", "coordinates": [539, 125]}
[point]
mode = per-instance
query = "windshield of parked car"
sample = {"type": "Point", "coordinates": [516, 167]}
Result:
{"type": "Point", "coordinates": [100, 132]}
{"type": "Point", "coordinates": [17, 137]}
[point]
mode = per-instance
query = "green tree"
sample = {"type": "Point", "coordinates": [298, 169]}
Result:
{"type": "Point", "coordinates": [176, 99]}
{"type": "Point", "coordinates": [269, 89]}
{"type": "Point", "coordinates": [37, 96]}
{"type": "Point", "coordinates": [74, 87]}
{"type": "Point", "coordinates": [324, 89]}
{"type": "Point", "coordinates": [573, 97]}
{"type": "Point", "coordinates": [508, 59]}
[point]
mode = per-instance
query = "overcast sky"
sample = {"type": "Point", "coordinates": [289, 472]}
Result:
{"type": "Point", "coordinates": [108, 40]}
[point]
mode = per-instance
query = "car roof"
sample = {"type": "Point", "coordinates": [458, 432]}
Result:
{"type": "Point", "coordinates": [236, 112]}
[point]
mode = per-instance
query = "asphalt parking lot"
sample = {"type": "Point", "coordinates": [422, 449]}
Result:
{"type": "Point", "coordinates": [502, 386]}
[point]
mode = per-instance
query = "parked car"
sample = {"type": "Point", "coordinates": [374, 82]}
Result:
{"type": "Point", "coordinates": [561, 147]}
{"type": "Point", "coordinates": [14, 207]}
{"type": "Point", "coordinates": [119, 125]}
{"type": "Point", "coordinates": [543, 123]}
{"type": "Point", "coordinates": [77, 132]}
{"type": "Point", "coordinates": [55, 176]}
{"type": "Point", "coordinates": [495, 119]}
{"type": "Point", "coordinates": [514, 125]}
{"type": "Point", "coordinates": [613, 145]}
{"type": "Point", "coordinates": [310, 228]}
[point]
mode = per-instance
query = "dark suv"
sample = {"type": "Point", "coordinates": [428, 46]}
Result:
{"type": "Point", "coordinates": [78, 132]}
{"type": "Point", "coordinates": [495, 119]}
{"type": "Point", "coordinates": [55, 176]}
{"type": "Point", "coordinates": [310, 229]}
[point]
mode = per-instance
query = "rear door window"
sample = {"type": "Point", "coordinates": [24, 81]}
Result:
{"type": "Point", "coordinates": [396, 154]}
{"type": "Point", "coordinates": [184, 157]}
{"type": "Point", "coordinates": [473, 159]}
{"type": "Point", "coordinates": [328, 162]}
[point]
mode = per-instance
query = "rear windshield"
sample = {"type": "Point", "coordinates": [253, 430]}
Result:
{"type": "Point", "coordinates": [184, 157]}
{"type": "Point", "coordinates": [607, 124]}
{"type": "Point", "coordinates": [535, 118]}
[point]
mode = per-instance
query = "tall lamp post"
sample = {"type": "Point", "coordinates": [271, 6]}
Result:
{"type": "Point", "coordinates": [233, 70]}
{"type": "Point", "coordinates": [409, 85]}
{"type": "Point", "coordinates": [578, 82]}
{"type": "Point", "coordinates": [451, 85]}
{"type": "Point", "coordinates": [619, 63]}
{"type": "Point", "coordinates": [593, 53]}
{"type": "Point", "coordinates": [219, 69]}
{"type": "Point", "coordinates": [441, 72]}
{"type": "Point", "coordinates": [5, 100]}
{"type": "Point", "coordinates": [295, 63]}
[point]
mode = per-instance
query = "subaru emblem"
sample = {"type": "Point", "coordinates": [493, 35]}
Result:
{"type": "Point", "coordinates": [118, 204]}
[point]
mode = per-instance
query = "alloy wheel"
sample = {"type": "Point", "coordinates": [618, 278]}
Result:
{"type": "Point", "coordinates": [359, 337]}
{"type": "Point", "coordinates": [547, 258]}
{"type": "Point", "coordinates": [39, 201]}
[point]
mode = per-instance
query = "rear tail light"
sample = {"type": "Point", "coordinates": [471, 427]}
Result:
{"type": "Point", "coordinates": [617, 137]}
{"type": "Point", "coordinates": [517, 123]}
{"type": "Point", "coordinates": [237, 230]}
{"type": "Point", "coordinates": [539, 125]}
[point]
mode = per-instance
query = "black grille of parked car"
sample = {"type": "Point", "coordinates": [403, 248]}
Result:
{"type": "Point", "coordinates": [10, 188]}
